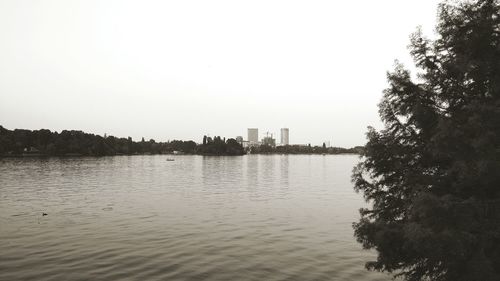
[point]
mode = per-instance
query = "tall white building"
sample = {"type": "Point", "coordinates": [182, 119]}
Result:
{"type": "Point", "coordinates": [253, 135]}
{"type": "Point", "coordinates": [285, 136]}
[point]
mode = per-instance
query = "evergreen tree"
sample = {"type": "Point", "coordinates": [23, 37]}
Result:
{"type": "Point", "coordinates": [433, 172]}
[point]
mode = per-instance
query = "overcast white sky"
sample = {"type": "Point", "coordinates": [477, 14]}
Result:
{"type": "Point", "coordinates": [181, 69]}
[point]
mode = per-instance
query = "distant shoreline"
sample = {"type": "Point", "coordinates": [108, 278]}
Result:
{"type": "Point", "coordinates": [165, 154]}
{"type": "Point", "coordinates": [45, 143]}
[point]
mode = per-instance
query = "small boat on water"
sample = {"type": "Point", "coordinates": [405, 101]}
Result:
{"type": "Point", "coordinates": [170, 159]}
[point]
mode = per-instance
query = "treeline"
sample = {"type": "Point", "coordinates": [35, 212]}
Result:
{"type": "Point", "coordinates": [20, 142]}
{"type": "Point", "coordinates": [219, 146]}
{"type": "Point", "coordinates": [43, 142]}
{"type": "Point", "coordinates": [304, 149]}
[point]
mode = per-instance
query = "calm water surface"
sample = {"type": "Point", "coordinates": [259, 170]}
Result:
{"type": "Point", "coordinates": [196, 218]}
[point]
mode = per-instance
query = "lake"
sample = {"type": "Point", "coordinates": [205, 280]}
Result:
{"type": "Point", "coordinates": [254, 217]}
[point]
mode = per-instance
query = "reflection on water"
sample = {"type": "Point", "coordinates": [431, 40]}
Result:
{"type": "Point", "coordinates": [196, 218]}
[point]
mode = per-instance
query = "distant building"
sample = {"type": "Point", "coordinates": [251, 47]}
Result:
{"type": "Point", "coordinates": [31, 149]}
{"type": "Point", "coordinates": [285, 136]}
{"type": "Point", "coordinates": [253, 135]}
{"type": "Point", "coordinates": [269, 140]}
{"type": "Point", "coordinates": [243, 143]}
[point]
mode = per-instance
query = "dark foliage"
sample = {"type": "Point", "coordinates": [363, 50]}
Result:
{"type": "Point", "coordinates": [43, 142]}
{"type": "Point", "coordinates": [219, 146]}
{"type": "Point", "coordinates": [433, 173]}
{"type": "Point", "coordinates": [77, 143]}
{"type": "Point", "coordinates": [304, 149]}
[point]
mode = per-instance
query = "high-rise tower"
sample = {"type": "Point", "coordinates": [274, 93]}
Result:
{"type": "Point", "coordinates": [253, 135]}
{"type": "Point", "coordinates": [285, 136]}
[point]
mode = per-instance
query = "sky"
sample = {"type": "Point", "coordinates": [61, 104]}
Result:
{"type": "Point", "coordinates": [182, 69]}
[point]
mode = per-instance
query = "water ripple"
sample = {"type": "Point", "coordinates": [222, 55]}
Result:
{"type": "Point", "coordinates": [198, 218]}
